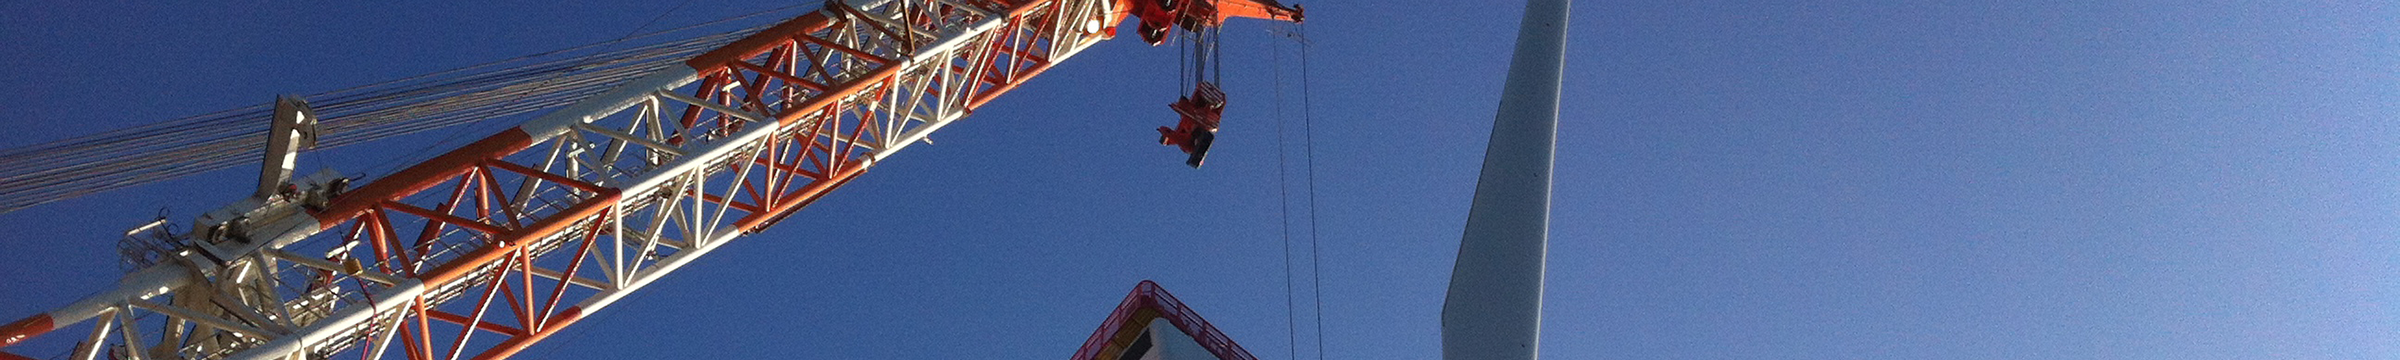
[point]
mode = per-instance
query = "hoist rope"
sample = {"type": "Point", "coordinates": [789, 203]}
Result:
{"type": "Point", "coordinates": [1283, 202]}
{"type": "Point", "coordinates": [58, 170]}
{"type": "Point", "coordinates": [1308, 136]}
{"type": "Point", "coordinates": [1308, 141]}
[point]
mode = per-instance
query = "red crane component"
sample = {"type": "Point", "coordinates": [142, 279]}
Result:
{"type": "Point", "coordinates": [500, 243]}
{"type": "Point", "coordinates": [1198, 115]}
{"type": "Point", "coordinates": [1158, 17]}
{"type": "Point", "coordinates": [1197, 128]}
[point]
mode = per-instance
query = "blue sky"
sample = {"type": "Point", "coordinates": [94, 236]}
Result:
{"type": "Point", "coordinates": [1736, 179]}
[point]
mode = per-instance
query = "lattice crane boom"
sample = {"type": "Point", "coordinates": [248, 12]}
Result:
{"type": "Point", "coordinates": [491, 247]}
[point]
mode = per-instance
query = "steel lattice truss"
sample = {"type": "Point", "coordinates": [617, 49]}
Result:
{"type": "Point", "coordinates": [491, 247]}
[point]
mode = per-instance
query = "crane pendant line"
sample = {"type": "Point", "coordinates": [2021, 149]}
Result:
{"type": "Point", "coordinates": [477, 253]}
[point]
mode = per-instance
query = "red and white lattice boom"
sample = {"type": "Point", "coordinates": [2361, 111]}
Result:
{"type": "Point", "coordinates": [491, 247]}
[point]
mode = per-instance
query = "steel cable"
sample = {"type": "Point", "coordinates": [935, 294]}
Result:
{"type": "Point", "coordinates": [47, 172]}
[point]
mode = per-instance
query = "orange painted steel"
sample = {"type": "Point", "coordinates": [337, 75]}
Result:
{"type": "Point", "coordinates": [20, 330]}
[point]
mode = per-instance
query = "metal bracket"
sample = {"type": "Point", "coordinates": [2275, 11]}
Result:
{"type": "Point", "coordinates": [294, 128]}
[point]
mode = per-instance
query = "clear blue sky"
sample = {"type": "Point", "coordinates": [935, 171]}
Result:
{"type": "Point", "coordinates": [1736, 179]}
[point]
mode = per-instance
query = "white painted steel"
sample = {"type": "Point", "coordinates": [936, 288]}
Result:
{"type": "Point", "coordinates": [946, 112]}
{"type": "Point", "coordinates": [90, 348]}
{"type": "Point", "coordinates": [1494, 307]}
{"type": "Point", "coordinates": [149, 282]}
{"type": "Point", "coordinates": [294, 128]}
{"type": "Point", "coordinates": [623, 96]}
{"type": "Point", "coordinates": [324, 331]}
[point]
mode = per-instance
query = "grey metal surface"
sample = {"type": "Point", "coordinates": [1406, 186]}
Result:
{"type": "Point", "coordinates": [1494, 307]}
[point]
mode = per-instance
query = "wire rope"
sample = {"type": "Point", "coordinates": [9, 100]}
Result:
{"type": "Point", "coordinates": [1308, 135]}
{"type": "Point", "coordinates": [57, 170]}
{"type": "Point", "coordinates": [1283, 202]}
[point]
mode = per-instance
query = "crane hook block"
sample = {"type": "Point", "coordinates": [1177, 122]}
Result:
{"type": "Point", "coordinates": [1198, 127]}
